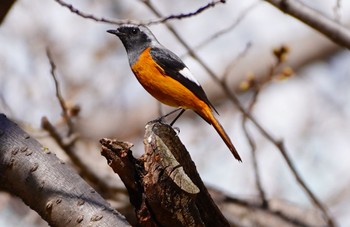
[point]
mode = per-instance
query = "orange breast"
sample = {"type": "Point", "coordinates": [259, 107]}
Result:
{"type": "Point", "coordinates": [164, 88]}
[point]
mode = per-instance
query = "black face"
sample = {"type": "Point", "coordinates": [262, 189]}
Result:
{"type": "Point", "coordinates": [132, 37]}
{"type": "Point", "coordinates": [130, 31]}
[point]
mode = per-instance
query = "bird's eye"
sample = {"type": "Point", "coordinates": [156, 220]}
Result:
{"type": "Point", "coordinates": [134, 31]}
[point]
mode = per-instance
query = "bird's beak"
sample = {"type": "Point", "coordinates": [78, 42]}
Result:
{"type": "Point", "coordinates": [115, 32]}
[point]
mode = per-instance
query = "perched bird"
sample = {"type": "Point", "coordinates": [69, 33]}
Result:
{"type": "Point", "coordinates": [166, 77]}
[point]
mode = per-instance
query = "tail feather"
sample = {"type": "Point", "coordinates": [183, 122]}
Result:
{"type": "Point", "coordinates": [209, 117]}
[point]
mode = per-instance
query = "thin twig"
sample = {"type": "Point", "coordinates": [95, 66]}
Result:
{"type": "Point", "coordinates": [231, 27]}
{"type": "Point", "coordinates": [186, 15]}
{"type": "Point", "coordinates": [258, 87]}
{"type": "Point", "coordinates": [91, 16]}
{"type": "Point", "coordinates": [264, 201]}
{"type": "Point", "coordinates": [252, 144]}
{"type": "Point", "coordinates": [258, 184]}
{"type": "Point", "coordinates": [236, 60]}
{"type": "Point", "coordinates": [230, 94]}
{"type": "Point", "coordinates": [279, 144]}
{"type": "Point", "coordinates": [281, 147]}
{"type": "Point", "coordinates": [149, 22]}
{"type": "Point", "coordinates": [251, 205]}
{"type": "Point", "coordinates": [59, 96]}
{"type": "Point", "coordinates": [67, 145]}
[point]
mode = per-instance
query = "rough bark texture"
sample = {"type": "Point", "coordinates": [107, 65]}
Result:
{"type": "Point", "coordinates": [164, 185]}
{"type": "Point", "coordinates": [47, 185]}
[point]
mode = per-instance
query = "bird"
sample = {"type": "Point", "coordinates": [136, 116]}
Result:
{"type": "Point", "coordinates": [164, 75]}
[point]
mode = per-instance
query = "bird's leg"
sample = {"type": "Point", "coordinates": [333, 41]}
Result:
{"type": "Point", "coordinates": [177, 117]}
{"type": "Point", "coordinates": [170, 113]}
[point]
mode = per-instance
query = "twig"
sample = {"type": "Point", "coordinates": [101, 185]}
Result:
{"type": "Point", "coordinates": [280, 55]}
{"type": "Point", "coordinates": [230, 94]}
{"type": "Point", "coordinates": [252, 144]}
{"type": "Point", "coordinates": [251, 205]}
{"type": "Point", "coordinates": [240, 17]}
{"type": "Point", "coordinates": [235, 61]}
{"type": "Point", "coordinates": [258, 184]}
{"type": "Point", "coordinates": [185, 15]}
{"type": "Point", "coordinates": [280, 146]}
{"type": "Point", "coordinates": [331, 29]}
{"type": "Point", "coordinates": [264, 201]}
{"type": "Point", "coordinates": [68, 145]}
{"type": "Point", "coordinates": [91, 16]}
{"type": "Point", "coordinates": [149, 22]}
{"type": "Point", "coordinates": [100, 185]}
{"type": "Point", "coordinates": [59, 96]}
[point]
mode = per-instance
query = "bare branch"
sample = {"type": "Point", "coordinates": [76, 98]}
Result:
{"type": "Point", "coordinates": [279, 213]}
{"type": "Point", "coordinates": [257, 87]}
{"type": "Point", "coordinates": [331, 29]}
{"type": "Point", "coordinates": [149, 22]}
{"type": "Point", "coordinates": [236, 60]}
{"type": "Point", "coordinates": [264, 202]}
{"type": "Point", "coordinates": [67, 142]}
{"type": "Point", "coordinates": [91, 16]}
{"type": "Point", "coordinates": [231, 27]}
{"type": "Point", "coordinates": [280, 146]}
{"type": "Point", "coordinates": [185, 15]}
{"type": "Point", "coordinates": [65, 111]}
{"type": "Point", "coordinates": [51, 188]}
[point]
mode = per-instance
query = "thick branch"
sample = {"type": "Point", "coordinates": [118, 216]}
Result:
{"type": "Point", "coordinates": [47, 185]}
{"type": "Point", "coordinates": [330, 28]}
{"type": "Point", "coordinates": [163, 184]}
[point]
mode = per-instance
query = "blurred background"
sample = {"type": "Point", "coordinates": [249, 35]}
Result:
{"type": "Point", "coordinates": [309, 110]}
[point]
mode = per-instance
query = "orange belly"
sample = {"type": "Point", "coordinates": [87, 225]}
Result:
{"type": "Point", "coordinates": [164, 88]}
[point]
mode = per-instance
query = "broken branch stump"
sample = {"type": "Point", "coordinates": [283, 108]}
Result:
{"type": "Point", "coordinates": [164, 185]}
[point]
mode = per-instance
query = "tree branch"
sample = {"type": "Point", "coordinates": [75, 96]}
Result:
{"type": "Point", "coordinates": [185, 15]}
{"type": "Point", "coordinates": [47, 185]}
{"type": "Point", "coordinates": [149, 22]}
{"type": "Point", "coordinates": [65, 110]}
{"type": "Point", "coordinates": [91, 16]}
{"type": "Point", "coordinates": [164, 185]}
{"type": "Point", "coordinates": [331, 29]}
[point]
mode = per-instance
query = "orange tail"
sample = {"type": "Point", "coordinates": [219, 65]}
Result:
{"type": "Point", "coordinates": [207, 114]}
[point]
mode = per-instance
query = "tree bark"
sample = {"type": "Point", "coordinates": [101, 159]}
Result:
{"type": "Point", "coordinates": [164, 185]}
{"type": "Point", "coordinates": [50, 187]}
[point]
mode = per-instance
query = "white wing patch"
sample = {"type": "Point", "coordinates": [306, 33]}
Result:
{"type": "Point", "coordinates": [187, 73]}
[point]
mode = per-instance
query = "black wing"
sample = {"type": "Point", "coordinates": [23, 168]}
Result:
{"type": "Point", "coordinates": [172, 66]}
